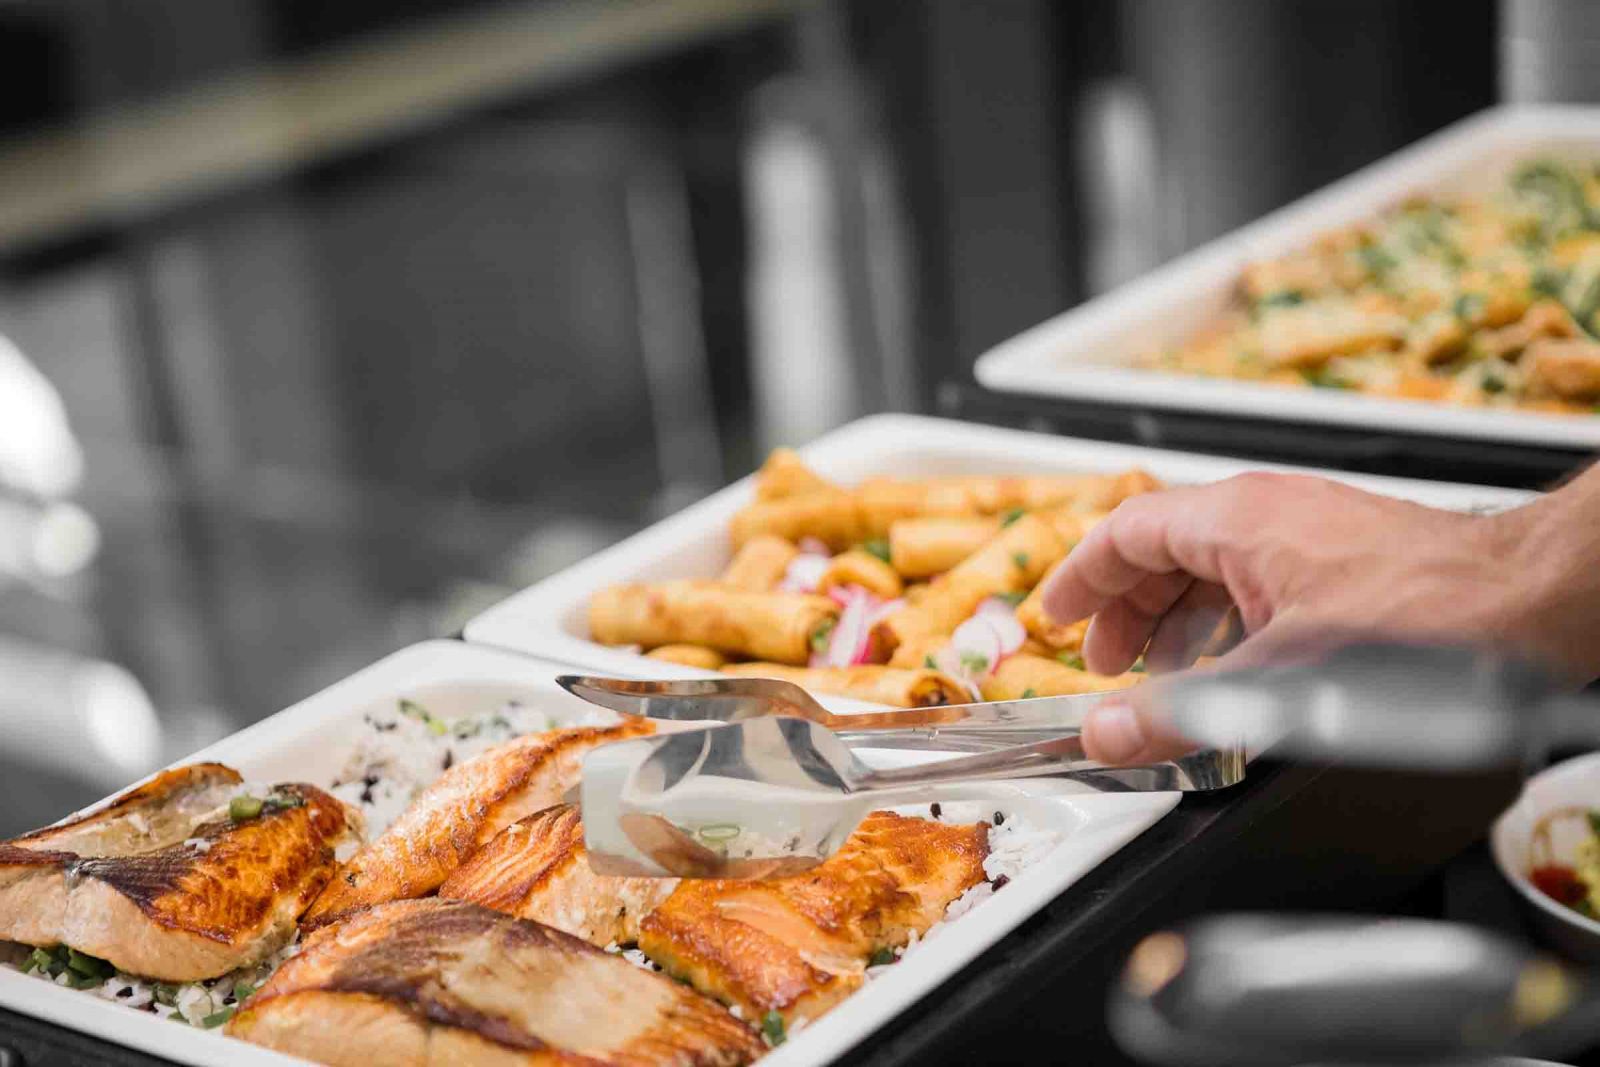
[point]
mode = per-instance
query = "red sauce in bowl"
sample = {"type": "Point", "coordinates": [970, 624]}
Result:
{"type": "Point", "coordinates": [1558, 882]}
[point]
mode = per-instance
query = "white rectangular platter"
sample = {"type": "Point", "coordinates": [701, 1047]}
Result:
{"type": "Point", "coordinates": [1088, 353]}
{"type": "Point", "coordinates": [548, 619]}
{"type": "Point", "coordinates": [310, 742]}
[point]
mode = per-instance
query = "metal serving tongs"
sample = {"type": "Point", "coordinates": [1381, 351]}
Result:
{"type": "Point", "coordinates": [947, 728]}
{"type": "Point", "coordinates": [776, 795]}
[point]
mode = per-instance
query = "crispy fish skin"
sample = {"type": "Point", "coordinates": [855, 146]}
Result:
{"type": "Point", "coordinates": [160, 812]}
{"type": "Point", "coordinates": [799, 945]}
{"type": "Point", "coordinates": [223, 897]}
{"type": "Point", "coordinates": [459, 813]}
{"type": "Point", "coordinates": [415, 983]}
{"type": "Point", "coordinates": [537, 868]}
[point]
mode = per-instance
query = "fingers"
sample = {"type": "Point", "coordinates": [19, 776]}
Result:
{"type": "Point", "coordinates": [1120, 733]}
{"type": "Point", "coordinates": [1159, 533]}
{"type": "Point", "coordinates": [1120, 631]}
{"type": "Point", "coordinates": [1190, 628]}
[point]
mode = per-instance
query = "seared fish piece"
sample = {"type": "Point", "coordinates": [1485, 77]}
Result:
{"type": "Point", "coordinates": [160, 890]}
{"type": "Point", "coordinates": [799, 945]}
{"type": "Point", "coordinates": [459, 813]}
{"type": "Point", "coordinates": [423, 982]}
{"type": "Point", "coordinates": [537, 868]}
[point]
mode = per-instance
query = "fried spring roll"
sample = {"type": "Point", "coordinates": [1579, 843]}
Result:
{"type": "Point", "coordinates": [707, 659]}
{"type": "Point", "coordinates": [881, 685]}
{"type": "Point", "coordinates": [1012, 562]}
{"type": "Point", "coordinates": [883, 502]}
{"type": "Point", "coordinates": [759, 564]}
{"type": "Point", "coordinates": [859, 567]}
{"type": "Point", "coordinates": [1115, 489]}
{"type": "Point", "coordinates": [786, 474]}
{"type": "Point", "coordinates": [769, 626]}
{"type": "Point", "coordinates": [1023, 675]}
{"type": "Point", "coordinates": [1045, 630]}
{"type": "Point", "coordinates": [919, 654]}
{"type": "Point", "coordinates": [833, 518]}
{"type": "Point", "coordinates": [930, 545]}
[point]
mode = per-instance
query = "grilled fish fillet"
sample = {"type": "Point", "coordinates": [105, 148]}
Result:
{"type": "Point", "coordinates": [537, 868]}
{"type": "Point", "coordinates": [419, 982]}
{"type": "Point", "coordinates": [163, 885]}
{"type": "Point", "coordinates": [459, 813]}
{"type": "Point", "coordinates": [798, 945]}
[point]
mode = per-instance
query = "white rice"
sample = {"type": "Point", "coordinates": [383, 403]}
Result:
{"type": "Point", "coordinates": [405, 749]}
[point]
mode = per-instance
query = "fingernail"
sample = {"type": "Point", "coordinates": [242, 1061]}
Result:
{"type": "Point", "coordinates": [1117, 732]}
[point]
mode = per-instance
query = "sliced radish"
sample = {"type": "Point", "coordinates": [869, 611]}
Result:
{"type": "Point", "coordinates": [1003, 617]}
{"type": "Point", "coordinates": [977, 646]}
{"type": "Point", "coordinates": [804, 573]}
{"type": "Point", "coordinates": [847, 645]}
{"type": "Point", "coordinates": [948, 661]}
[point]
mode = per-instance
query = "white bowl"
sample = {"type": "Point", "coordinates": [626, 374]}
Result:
{"type": "Point", "coordinates": [1574, 783]}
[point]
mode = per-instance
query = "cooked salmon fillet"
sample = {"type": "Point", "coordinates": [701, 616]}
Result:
{"type": "Point", "coordinates": [419, 982]}
{"type": "Point", "coordinates": [163, 884]}
{"type": "Point", "coordinates": [537, 868]}
{"type": "Point", "coordinates": [459, 813]}
{"type": "Point", "coordinates": [798, 945]}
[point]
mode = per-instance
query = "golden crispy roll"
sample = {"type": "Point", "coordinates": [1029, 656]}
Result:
{"type": "Point", "coordinates": [1114, 489]}
{"type": "Point", "coordinates": [433, 983]}
{"type": "Point", "coordinates": [926, 546]}
{"type": "Point", "coordinates": [1023, 675]}
{"type": "Point", "coordinates": [459, 813]}
{"type": "Point", "coordinates": [166, 883]}
{"type": "Point", "coordinates": [771, 626]}
{"type": "Point", "coordinates": [707, 659]}
{"type": "Point", "coordinates": [1012, 562]}
{"type": "Point", "coordinates": [881, 685]}
{"type": "Point", "coordinates": [1072, 525]}
{"type": "Point", "coordinates": [1042, 628]}
{"type": "Point", "coordinates": [860, 567]}
{"type": "Point", "coordinates": [537, 868]}
{"type": "Point", "coordinates": [759, 564]}
{"type": "Point", "coordinates": [919, 654]}
{"type": "Point", "coordinates": [882, 502]}
{"type": "Point", "coordinates": [786, 474]}
{"type": "Point", "coordinates": [799, 945]}
{"type": "Point", "coordinates": [833, 518]}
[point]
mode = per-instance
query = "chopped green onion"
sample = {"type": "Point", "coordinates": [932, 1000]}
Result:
{"type": "Point", "coordinates": [165, 993]}
{"type": "Point", "coordinates": [242, 808]}
{"type": "Point", "coordinates": [216, 1019]}
{"type": "Point", "coordinates": [1029, 693]}
{"type": "Point", "coordinates": [1013, 598]}
{"type": "Point", "coordinates": [877, 547]}
{"type": "Point", "coordinates": [820, 636]}
{"type": "Point", "coordinates": [881, 957]}
{"type": "Point", "coordinates": [1012, 516]}
{"type": "Point", "coordinates": [930, 663]}
{"type": "Point", "coordinates": [1492, 384]}
{"type": "Point", "coordinates": [1020, 559]}
{"type": "Point", "coordinates": [411, 709]}
{"type": "Point", "coordinates": [1594, 821]}
{"type": "Point", "coordinates": [1467, 306]}
{"type": "Point", "coordinates": [88, 966]}
{"type": "Point", "coordinates": [243, 991]}
{"type": "Point", "coordinates": [722, 831]}
{"type": "Point", "coordinates": [1138, 666]}
{"type": "Point", "coordinates": [44, 961]}
{"type": "Point", "coordinates": [1283, 298]}
{"type": "Point", "coordinates": [974, 662]}
{"type": "Point", "coordinates": [438, 727]}
{"type": "Point", "coordinates": [1072, 659]}
{"type": "Point", "coordinates": [772, 1027]}
{"type": "Point", "coordinates": [82, 981]}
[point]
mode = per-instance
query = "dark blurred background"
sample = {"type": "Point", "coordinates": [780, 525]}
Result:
{"type": "Point", "coordinates": [335, 323]}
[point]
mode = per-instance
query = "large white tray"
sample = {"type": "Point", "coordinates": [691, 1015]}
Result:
{"type": "Point", "coordinates": [548, 619]}
{"type": "Point", "coordinates": [1086, 353]}
{"type": "Point", "coordinates": [309, 742]}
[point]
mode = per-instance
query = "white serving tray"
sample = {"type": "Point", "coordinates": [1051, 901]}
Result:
{"type": "Point", "coordinates": [548, 619]}
{"type": "Point", "coordinates": [309, 742]}
{"type": "Point", "coordinates": [1086, 353]}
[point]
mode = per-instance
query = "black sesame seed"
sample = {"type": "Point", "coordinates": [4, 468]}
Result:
{"type": "Point", "coordinates": [935, 810]}
{"type": "Point", "coordinates": [1001, 882]}
{"type": "Point", "coordinates": [370, 780]}
{"type": "Point", "coordinates": [999, 819]}
{"type": "Point", "coordinates": [125, 991]}
{"type": "Point", "coordinates": [449, 758]}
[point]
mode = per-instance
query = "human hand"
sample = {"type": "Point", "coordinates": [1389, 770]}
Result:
{"type": "Point", "coordinates": [1296, 556]}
